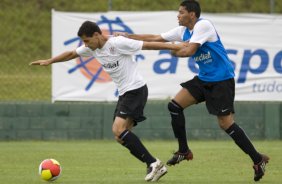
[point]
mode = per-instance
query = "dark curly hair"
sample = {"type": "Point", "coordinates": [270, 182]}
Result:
{"type": "Point", "coordinates": [192, 6]}
{"type": "Point", "coordinates": [88, 28]}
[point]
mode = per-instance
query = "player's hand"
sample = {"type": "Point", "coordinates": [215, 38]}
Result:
{"type": "Point", "coordinates": [41, 62]}
{"type": "Point", "coordinates": [183, 44]}
{"type": "Point", "coordinates": [125, 34]}
{"type": "Point", "coordinates": [184, 49]}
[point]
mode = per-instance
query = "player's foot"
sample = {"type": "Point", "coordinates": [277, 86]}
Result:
{"type": "Point", "coordinates": [160, 173]}
{"type": "Point", "coordinates": [260, 168]}
{"type": "Point", "coordinates": [178, 157]}
{"type": "Point", "coordinates": [155, 171]}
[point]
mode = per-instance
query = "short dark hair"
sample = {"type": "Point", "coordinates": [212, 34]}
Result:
{"type": "Point", "coordinates": [88, 28]}
{"type": "Point", "coordinates": [192, 6]}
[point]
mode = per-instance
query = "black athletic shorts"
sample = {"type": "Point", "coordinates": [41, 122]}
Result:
{"type": "Point", "coordinates": [219, 96]}
{"type": "Point", "coordinates": [131, 104]}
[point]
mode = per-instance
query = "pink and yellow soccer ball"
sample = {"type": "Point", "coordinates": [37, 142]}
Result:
{"type": "Point", "coordinates": [50, 169]}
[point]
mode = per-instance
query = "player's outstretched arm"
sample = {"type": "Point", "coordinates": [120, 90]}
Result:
{"type": "Point", "coordinates": [143, 37]}
{"type": "Point", "coordinates": [162, 46]}
{"type": "Point", "coordinates": [66, 56]}
{"type": "Point", "coordinates": [186, 50]}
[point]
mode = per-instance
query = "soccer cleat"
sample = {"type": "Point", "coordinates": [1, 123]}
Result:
{"type": "Point", "coordinates": [160, 173]}
{"type": "Point", "coordinates": [260, 168]}
{"type": "Point", "coordinates": [155, 171]}
{"type": "Point", "coordinates": [178, 157]}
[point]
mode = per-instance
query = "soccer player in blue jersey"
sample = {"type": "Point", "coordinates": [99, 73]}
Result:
{"type": "Point", "coordinates": [214, 84]}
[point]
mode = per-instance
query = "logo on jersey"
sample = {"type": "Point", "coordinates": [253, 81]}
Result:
{"type": "Point", "coordinates": [206, 58]}
{"type": "Point", "coordinates": [110, 65]}
{"type": "Point", "coordinates": [112, 50]}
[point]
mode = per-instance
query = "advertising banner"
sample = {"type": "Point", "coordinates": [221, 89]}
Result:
{"type": "Point", "coordinates": [253, 43]}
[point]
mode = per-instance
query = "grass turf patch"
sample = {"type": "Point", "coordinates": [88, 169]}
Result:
{"type": "Point", "coordinates": [107, 162]}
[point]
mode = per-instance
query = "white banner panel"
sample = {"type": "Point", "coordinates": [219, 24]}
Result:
{"type": "Point", "coordinates": [253, 43]}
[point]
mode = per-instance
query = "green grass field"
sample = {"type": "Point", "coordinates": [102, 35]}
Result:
{"type": "Point", "coordinates": [106, 162]}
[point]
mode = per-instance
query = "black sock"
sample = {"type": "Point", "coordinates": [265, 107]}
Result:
{"type": "Point", "coordinates": [242, 140]}
{"type": "Point", "coordinates": [136, 148]}
{"type": "Point", "coordinates": [178, 125]}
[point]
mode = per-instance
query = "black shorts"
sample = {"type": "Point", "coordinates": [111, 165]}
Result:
{"type": "Point", "coordinates": [219, 96]}
{"type": "Point", "coordinates": [131, 104]}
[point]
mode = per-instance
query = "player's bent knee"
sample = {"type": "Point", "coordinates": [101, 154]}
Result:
{"type": "Point", "coordinates": [225, 122]}
{"type": "Point", "coordinates": [174, 108]}
{"type": "Point", "coordinates": [117, 129]}
{"type": "Point", "coordinates": [116, 135]}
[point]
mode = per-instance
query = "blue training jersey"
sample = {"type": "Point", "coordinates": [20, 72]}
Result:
{"type": "Point", "coordinates": [214, 64]}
